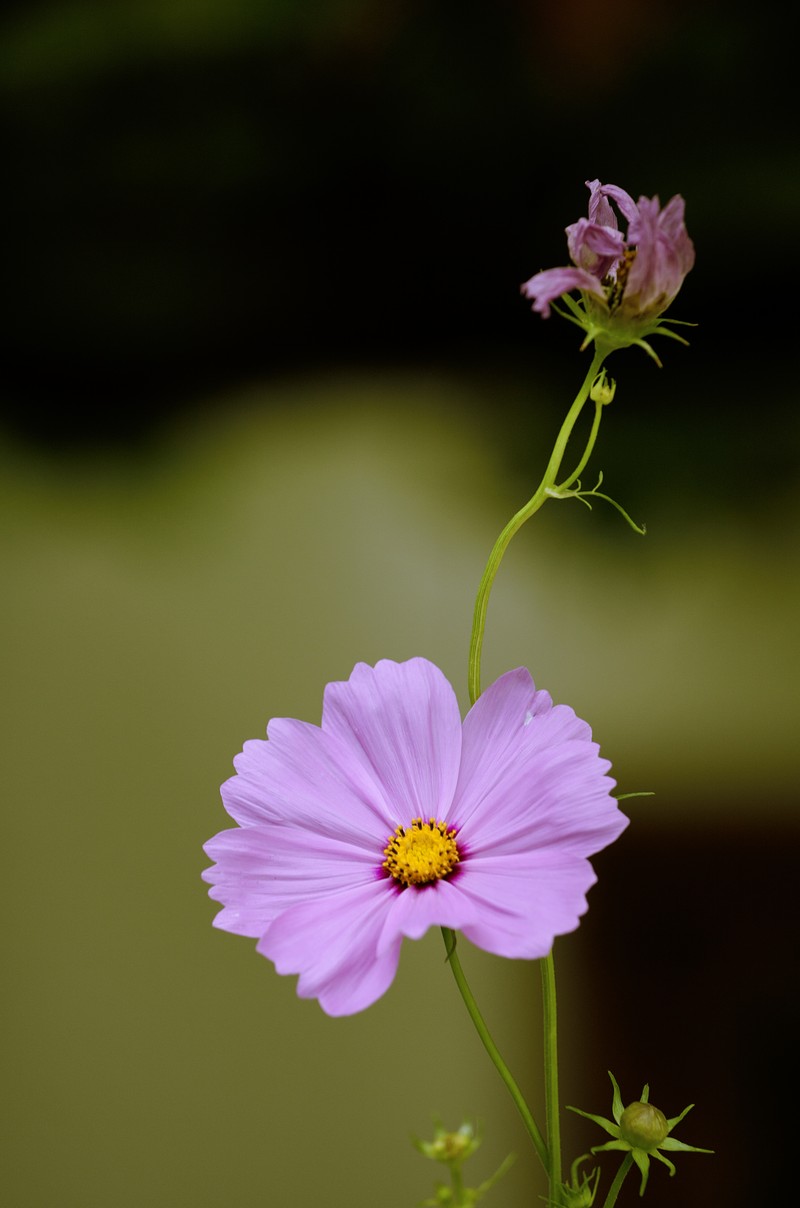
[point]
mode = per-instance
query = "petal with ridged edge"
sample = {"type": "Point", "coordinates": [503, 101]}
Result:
{"type": "Point", "coordinates": [402, 720]}
{"type": "Point", "coordinates": [332, 943]}
{"type": "Point", "coordinates": [522, 902]}
{"type": "Point", "coordinates": [419, 907]}
{"type": "Point", "coordinates": [304, 776]}
{"type": "Point", "coordinates": [594, 247]}
{"type": "Point", "coordinates": [530, 775]}
{"type": "Point", "coordinates": [261, 871]}
{"type": "Point", "coordinates": [558, 798]}
{"type": "Point", "coordinates": [543, 288]}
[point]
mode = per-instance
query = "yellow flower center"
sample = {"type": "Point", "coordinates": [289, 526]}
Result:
{"type": "Point", "coordinates": [421, 853]}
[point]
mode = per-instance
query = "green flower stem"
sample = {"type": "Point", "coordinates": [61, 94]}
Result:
{"type": "Point", "coordinates": [581, 466]}
{"type": "Point", "coordinates": [550, 1017]}
{"type": "Point", "coordinates": [619, 1179]}
{"type": "Point", "coordinates": [549, 1152]}
{"type": "Point", "coordinates": [547, 485]}
{"type": "Point", "coordinates": [492, 1050]}
{"type": "Point", "coordinates": [457, 1184]}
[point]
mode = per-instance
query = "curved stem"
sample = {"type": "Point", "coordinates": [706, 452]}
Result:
{"type": "Point", "coordinates": [492, 1050]}
{"type": "Point", "coordinates": [619, 1179]}
{"type": "Point", "coordinates": [531, 507]}
{"type": "Point", "coordinates": [576, 473]}
{"type": "Point", "coordinates": [550, 1021]}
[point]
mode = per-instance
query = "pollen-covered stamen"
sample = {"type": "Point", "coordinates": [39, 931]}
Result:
{"type": "Point", "coordinates": [421, 853]}
{"type": "Point", "coordinates": [617, 285]}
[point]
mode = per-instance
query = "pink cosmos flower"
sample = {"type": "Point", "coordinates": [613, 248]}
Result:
{"type": "Point", "coordinates": [393, 817]}
{"type": "Point", "coordinates": [626, 281]}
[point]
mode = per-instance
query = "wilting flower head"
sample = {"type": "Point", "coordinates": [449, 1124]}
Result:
{"type": "Point", "coordinates": [641, 1130]}
{"type": "Point", "coordinates": [393, 817]}
{"type": "Point", "coordinates": [626, 281]}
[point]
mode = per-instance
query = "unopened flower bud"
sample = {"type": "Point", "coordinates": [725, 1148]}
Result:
{"type": "Point", "coordinates": [581, 1194]}
{"type": "Point", "coordinates": [450, 1146]}
{"type": "Point", "coordinates": [641, 1129]}
{"type": "Point", "coordinates": [643, 1126]}
{"type": "Point", "coordinates": [603, 388]}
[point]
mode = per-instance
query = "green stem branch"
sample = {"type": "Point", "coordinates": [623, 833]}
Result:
{"type": "Point", "coordinates": [457, 1183]}
{"type": "Point", "coordinates": [516, 522]}
{"type": "Point", "coordinates": [581, 466]}
{"type": "Point", "coordinates": [619, 1179]}
{"type": "Point", "coordinates": [549, 1152]}
{"type": "Point", "coordinates": [550, 1021]}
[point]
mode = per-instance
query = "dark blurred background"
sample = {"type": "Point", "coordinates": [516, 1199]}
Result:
{"type": "Point", "coordinates": [268, 392]}
{"type": "Point", "coordinates": [200, 192]}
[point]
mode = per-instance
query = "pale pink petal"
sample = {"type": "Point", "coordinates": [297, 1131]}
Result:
{"type": "Point", "coordinates": [402, 720]}
{"type": "Point", "coordinates": [600, 209]}
{"type": "Point", "coordinates": [511, 720]}
{"type": "Point", "coordinates": [332, 942]}
{"type": "Point", "coordinates": [594, 247]}
{"type": "Point", "coordinates": [626, 204]}
{"type": "Point", "coordinates": [558, 797]}
{"type": "Point", "coordinates": [415, 909]}
{"type": "Point", "coordinates": [543, 288]}
{"type": "Point", "coordinates": [664, 255]}
{"type": "Point", "coordinates": [262, 870]}
{"type": "Point", "coordinates": [522, 902]}
{"type": "Point", "coordinates": [307, 777]}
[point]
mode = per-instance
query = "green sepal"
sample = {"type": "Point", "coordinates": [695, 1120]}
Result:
{"type": "Point", "coordinates": [610, 1128]}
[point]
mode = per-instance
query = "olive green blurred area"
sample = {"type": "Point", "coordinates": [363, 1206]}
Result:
{"type": "Point", "coordinates": [268, 396]}
{"type": "Point", "coordinates": [158, 613]}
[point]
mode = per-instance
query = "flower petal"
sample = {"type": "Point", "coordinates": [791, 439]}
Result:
{"type": "Point", "coordinates": [664, 255]}
{"type": "Point", "coordinates": [551, 283]}
{"type": "Point", "coordinates": [532, 781]}
{"type": "Point", "coordinates": [595, 247]}
{"type": "Point", "coordinates": [558, 798]}
{"type": "Point", "coordinates": [523, 901]}
{"type": "Point", "coordinates": [415, 909]}
{"type": "Point", "coordinates": [261, 871]}
{"type": "Point", "coordinates": [598, 199]}
{"type": "Point", "coordinates": [600, 209]}
{"type": "Point", "coordinates": [402, 721]}
{"type": "Point", "coordinates": [332, 943]}
{"type": "Point", "coordinates": [306, 777]}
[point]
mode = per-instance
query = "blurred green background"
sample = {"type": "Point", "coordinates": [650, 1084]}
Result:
{"type": "Point", "coordinates": [269, 393]}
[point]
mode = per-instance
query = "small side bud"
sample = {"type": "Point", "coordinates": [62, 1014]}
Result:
{"type": "Point", "coordinates": [603, 388]}
{"type": "Point", "coordinates": [580, 1192]}
{"type": "Point", "coordinates": [450, 1146]}
{"type": "Point", "coordinates": [643, 1126]}
{"type": "Point", "coordinates": [453, 1148]}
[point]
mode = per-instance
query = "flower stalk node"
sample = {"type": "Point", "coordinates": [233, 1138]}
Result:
{"type": "Point", "coordinates": [603, 389]}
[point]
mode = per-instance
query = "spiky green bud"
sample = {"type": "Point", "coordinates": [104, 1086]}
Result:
{"type": "Point", "coordinates": [643, 1126]}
